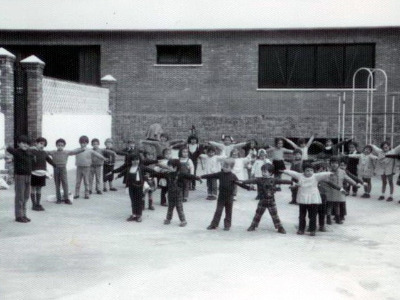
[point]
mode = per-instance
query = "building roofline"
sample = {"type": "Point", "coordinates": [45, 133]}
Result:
{"type": "Point", "coordinates": [394, 27]}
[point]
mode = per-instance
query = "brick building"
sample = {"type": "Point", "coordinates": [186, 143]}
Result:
{"type": "Point", "coordinates": [249, 83]}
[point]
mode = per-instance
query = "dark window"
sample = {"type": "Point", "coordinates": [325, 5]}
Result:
{"type": "Point", "coordinates": [179, 55]}
{"type": "Point", "coordinates": [74, 63]}
{"type": "Point", "coordinates": [313, 66]}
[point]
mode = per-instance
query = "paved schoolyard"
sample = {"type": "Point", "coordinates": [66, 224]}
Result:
{"type": "Point", "coordinates": [89, 251]}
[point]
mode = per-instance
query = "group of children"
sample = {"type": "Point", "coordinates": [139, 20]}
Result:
{"type": "Point", "coordinates": [318, 186]}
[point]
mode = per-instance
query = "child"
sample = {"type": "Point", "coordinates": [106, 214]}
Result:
{"type": "Point", "coordinates": [297, 166]}
{"type": "Point", "coordinates": [365, 168]}
{"type": "Point", "coordinates": [266, 187]}
{"type": "Point", "coordinates": [227, 145]}
{"type": "Point", "coordinates": [23, 161]}
{"type": "Point", "coordinates": [163, 143]}
{"type": "Point", "coordinates": [37, 182]}
{"type": "Point", "coordinates": [308, 195]}
{"type": "Point", "coordinates": [96, 168]}
{"type": "Point", "coordinates": [151, 187]}
{"type": "Point", "coordinates": [385, 167]}
{"type": "Point", "coordinates": [352, 165]}
{"type": "Point", "coordinates": [195, 150]}
{"type": "Point", "coordinates": [108, 165]}
{"type": "Point", "coordinates": [212, 165]}
{"type": "Point", "coordinates": [277, 158]}
{"type": "Point", "coordinates": [83, 164]}
{"type": "Point", "coordinates": [258, 163]}
{"type": "Point", "coordinates": [60, 159]}
{"type": "Point", "coordinates": [323, 187]}
{"type": "Point", "coordinates": [128, 150]}
{"type": "Point", "coordinates": [134, 169]}
{"type": "Point", "coordinates": [395, 156]}
{"type": "Point", "coordinates": [329, 149]}
{"type": "Point", "coordinates": [335, 198]}
{"type": "Point", "coordinates": [239, 169]}
{"type": "Point", "coordinates": [162, 182]}
{"type": "Point", "coordinates": [186, 167]}
{"type": "Point", "coordinates": [303, 146]}
{"type": "Point", "coordinates": [227, 180]}
{"type": "Point", "coordinates": [344, 166]}
{"type": "Point", "coordinates": [251, 150]}
{"type": "Point", "coordinates": [175, 182]}
{"type": "Point", "coordinates": [256, 167]}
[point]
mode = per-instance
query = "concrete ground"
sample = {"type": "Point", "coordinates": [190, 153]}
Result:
{"type": "Point", "coordinates": [89, 251]}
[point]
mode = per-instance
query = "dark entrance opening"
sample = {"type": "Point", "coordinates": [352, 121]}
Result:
{"type": "Point", "coordinates": [73, 63]}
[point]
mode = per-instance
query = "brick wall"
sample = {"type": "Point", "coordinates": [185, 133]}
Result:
{"type": "Point", "coordinates": [220, 96]}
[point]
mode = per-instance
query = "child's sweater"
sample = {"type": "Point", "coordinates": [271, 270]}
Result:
{"type": "Point", "coordinates": [366, 164]}
{"type": "Point", "coordinates": [337, 177]}
{"type": "Point", "coordinates": [85, 158]}
{"type": "Point", "coordinates": [212, 164]}
{"type": "Point", "coordinates": [23, 160]}
{"type": "Point", "coordinates": [227, 180]}
{"type": "Point", "coordinates": [266, 186]}
{"type": "Point", "coordinates": [278, 153]}
{"type": "Point", "coordinates": [256, 168]}
{"type": "Point", "coordinates": [239, 169]}
{"type": "Point", "coordinates": [60, 158]}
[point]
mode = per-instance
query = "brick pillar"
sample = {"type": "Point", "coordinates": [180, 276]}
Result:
{"type": "Point", "coordinates": [110, 83]}
{"type": "Point", "coordinates": [7, 93]}
{"type": "Point", "coordinates": [33, 67]}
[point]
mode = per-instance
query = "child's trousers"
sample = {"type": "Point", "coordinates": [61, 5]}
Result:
{"type": "Point", "coordinates": [96, 172]}
{"type": "Point", "coordinates": [221, 204]}
{"type": "Point", "coordinates": [262, 206]}
{"type": "Point", "coordinates": [136, 196]}
{"type": "Point", "coordinates": [334, 209]}
{"type": "Point", "coordinates": [172, 203]}
{"type": "Point", "coordinates": [311, 209]}
{"type": "Point", "coordinates": [163, 195]}
{"type": "Point", "coordinates": [82, 173]}
{"type": "Point", "coordinates": [212, 187]}
{"type": "Point", "coordinates": [60, 178]}
{"type": "Point", "coordinates": [22, 192]}
{"type": "Point", "coordinates": [322, 211]}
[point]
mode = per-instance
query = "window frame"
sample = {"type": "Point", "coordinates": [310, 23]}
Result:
{"type": "Point", "coordinates": [263, 57]}
{"type": "Point", "coordinates": [182, 55]}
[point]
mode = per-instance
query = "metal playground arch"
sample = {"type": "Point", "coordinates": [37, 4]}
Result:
{"type": "Point", "coordinates": [373, 118]}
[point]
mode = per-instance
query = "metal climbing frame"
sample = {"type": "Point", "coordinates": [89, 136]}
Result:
{"type": "Point", "coordinates": [369, 112]}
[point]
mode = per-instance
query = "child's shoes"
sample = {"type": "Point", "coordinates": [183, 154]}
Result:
{"type": "Point", "coordinates": [281, 230]}
{"type": "Point", "coordinates": [211, 227]}
{"type": "Point", "coordinates": [183, 224]}
{"type": "Point", "coordinates": [167, 222]}
{"type": "Point", "coordinates": [131, 218]}
{"type": "Point", "coordinates": [251, 228]}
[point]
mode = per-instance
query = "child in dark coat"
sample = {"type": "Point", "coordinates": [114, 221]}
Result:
{"type": "Point", "coordinates": [227, 180]}
{"type": "Point", "coordinates": [23, 162]}
{"type": "Point", "coordinates": [175, 183]}
{"type": "Point", "coordinates": [134, 170]}
{"type": "Point", "coordinates": [38, 182]}
{"type": "Point", "coordinates": [266, 189]}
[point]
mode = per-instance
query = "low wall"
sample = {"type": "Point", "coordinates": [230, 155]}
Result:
{"type": "Point", "coordinates": [2, 138]}
{"type": "Point", "coordinates": [71, 110]}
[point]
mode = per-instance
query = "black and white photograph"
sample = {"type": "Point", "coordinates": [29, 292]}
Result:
{"type": "Point", "coordinates": [209, 149]}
